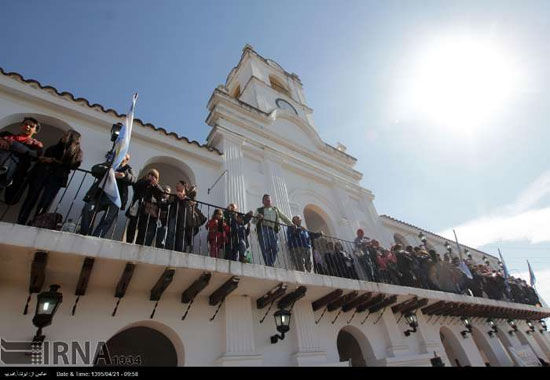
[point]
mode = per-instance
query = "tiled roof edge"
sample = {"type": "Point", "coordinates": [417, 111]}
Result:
{"type": "Point", "coordinates": [20, 77]}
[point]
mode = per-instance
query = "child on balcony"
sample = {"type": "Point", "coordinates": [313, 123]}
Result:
{"type": "Point", "coordinates": [218, 232]}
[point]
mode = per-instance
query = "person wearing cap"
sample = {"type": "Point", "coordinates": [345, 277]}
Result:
{"type": "Point", "coordinates": [97, 201]}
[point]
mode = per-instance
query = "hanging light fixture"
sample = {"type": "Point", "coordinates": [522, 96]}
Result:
{"type": "Point", "coordinates": [513, 325]}
{"type": "Point", "coordinates": [412, 321]}
{"type": "Point", "coordinates": [468, 326]}
{"type": "Point", "coordinates": [282, 322]}
{"type": "Point", "coordinates": [422, 237]}
{"type": "Point", "coordinates": [46, 306]}
{"type": "Point", "coordinates": [493, 327]}
{"type": "Point", "coordinates": [531, 327]}
{"type": "Point", "coordinates": [543, 325]}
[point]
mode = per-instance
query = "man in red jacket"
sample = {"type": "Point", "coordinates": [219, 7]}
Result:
{"type": "Point", "coordinates": [16, 152]}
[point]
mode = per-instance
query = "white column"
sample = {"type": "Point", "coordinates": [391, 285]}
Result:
{"type": "Point", "coordinates": [309, 348]}
{"type": "Point", "coordinates": [345, 221]}
{"type": "Point", "coordinates": [397, 350]}
{"type": "Point", "coordinates": [277, 183]}
{"type": "Point", "coordinates": [235, 191]}
{"type": "Point", "coordinates": [428, 337]}
{"type": "Point", "coordinates": [240, 349]}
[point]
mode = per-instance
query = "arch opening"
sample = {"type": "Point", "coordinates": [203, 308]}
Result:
{"type": "Point", "coordinates": [140, 345]}
{"type": "Point", "coordinates": [316, 220]}
{"type": "Point", "coordinates": [353, 346]}
{"type": "Point", "coordinates": [454, 350]}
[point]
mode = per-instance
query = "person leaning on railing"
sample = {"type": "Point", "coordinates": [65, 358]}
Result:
{"type": "Point", "coordinates": [361, 244]}
{"type": "Point", "coordinates": [50, 174]}
{"type": "Point", "coordinates": [162, 224]}
{"type": "Point", "coordinates": [185, 218]}
{"type": "Point", "coordinates": [268, 223]}
{"type": "Point", "coordinates": [299, 245]}
{"type": "Point", "coordinates": [239, 230]}
{"type": "Point", "coordinates": [147, 194]}
{"type": "Point", "coordinates": [97, 201]}
{"type": "Point", "coordinates": [218, 233]}
{"type": "Point", "coordinates": [16, 153]}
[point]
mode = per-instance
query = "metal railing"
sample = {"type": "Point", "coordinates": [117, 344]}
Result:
{"type": "Point", "coordinates": [167, 222]}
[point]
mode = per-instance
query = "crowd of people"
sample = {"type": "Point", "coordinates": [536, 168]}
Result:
{"type": "Point", "coordinates": [158, 216]}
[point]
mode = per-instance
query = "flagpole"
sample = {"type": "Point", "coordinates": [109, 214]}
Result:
{"type": "Point", "coordinates": [506, 274]}
{"type": "Point", "coordinates": [458, 247]}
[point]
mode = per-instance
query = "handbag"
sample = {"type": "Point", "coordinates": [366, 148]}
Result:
{"type": "Point", "coordinates": [133, 210]}
{"type": "Point", "coordinates": [151, 208]}
{"type": "Point", "coordinates": [49, 220]}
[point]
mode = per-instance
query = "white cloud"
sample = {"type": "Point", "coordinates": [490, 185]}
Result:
{"type": "Point", "coordinates": [514, 222]}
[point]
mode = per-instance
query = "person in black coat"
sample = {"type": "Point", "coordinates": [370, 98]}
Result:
{"type": "Point", "coordinates": [184, 218]}
{"type": "Point", "coordinates": [144, 210]}
{"type": "Point", "coordinates": [50, 174]}
{"type": "Point", "coordinates": [97, 201]}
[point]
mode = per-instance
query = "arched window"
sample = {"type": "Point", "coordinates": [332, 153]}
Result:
{"type": "Point", "coordinates": [278, 86]}
{"type": "Point", "coordinates": [315, 221]}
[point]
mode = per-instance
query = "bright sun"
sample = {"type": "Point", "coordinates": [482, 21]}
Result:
{"type": "Point", "coordinates": [462, 83]}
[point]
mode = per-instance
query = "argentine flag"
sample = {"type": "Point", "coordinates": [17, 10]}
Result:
{"type": "Point", "coordinates": [122, 144]}
{"type": "Point", "coordinates": [532, 278]}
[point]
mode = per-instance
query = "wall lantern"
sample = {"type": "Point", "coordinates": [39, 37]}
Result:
{"type": "Point", "coordinates": [493, 327]}
{"type": "Point", "coordinates": [422, 238]}
{"type": "Point", "coordinates": [468, 326]}
{"type": "Point", "coordinates": [448, 247]}
{"type": "Point", "coordinates": [543, 325]}
{"type": "Point", "coordinates": [531, 327]}
{"type": "Point", "coordinates": [282, 321]}
{"type": "Point", "coordinates": [46, 306]}
{"type": "Point", "coordinates": [412, 321]}
{"type": "Point", "coordinates": [115, 131]}
{"type": "Point", "coordinates": [512, 324]}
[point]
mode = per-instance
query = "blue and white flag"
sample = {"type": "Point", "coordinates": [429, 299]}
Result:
{"type": "Point", "coordinates": [505, 270]}
{"type": "Point", "coordinates": [532, 278]}
{"type": "Point", "coordinates": [120, 150]}
{"type": "Point", "coordinates": [506, 274]}
{"type": "Point", "coordinates": [464, 268]}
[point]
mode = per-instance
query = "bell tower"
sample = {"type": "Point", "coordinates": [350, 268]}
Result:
{"type": "Point", "coordinates": [265, 85]}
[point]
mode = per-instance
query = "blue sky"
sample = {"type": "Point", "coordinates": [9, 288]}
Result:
{"type": "Point", "coordinates": [358, 63]}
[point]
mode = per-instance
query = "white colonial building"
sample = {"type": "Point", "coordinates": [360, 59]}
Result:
{"type": "Point", "coordinates": [263, 139]}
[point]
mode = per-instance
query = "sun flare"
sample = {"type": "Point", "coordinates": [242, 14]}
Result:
{"type": "Point", "coordinates": [463, 83]}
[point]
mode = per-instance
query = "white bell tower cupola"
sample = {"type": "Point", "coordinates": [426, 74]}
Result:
{"type": "Point", "coordinates": [265, 85]}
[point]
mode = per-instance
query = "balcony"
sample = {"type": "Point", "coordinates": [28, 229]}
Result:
{"type": "Point", "coordinates": [346, 272]}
